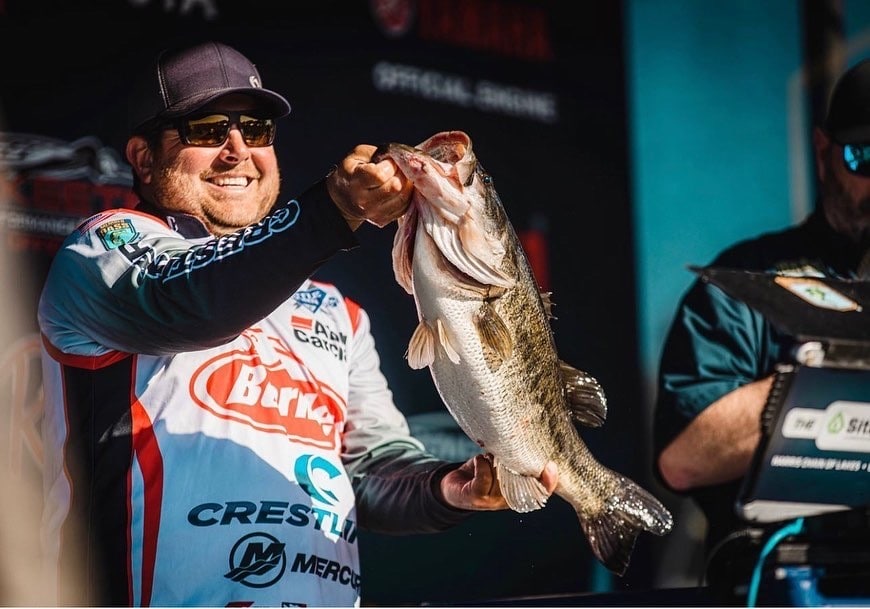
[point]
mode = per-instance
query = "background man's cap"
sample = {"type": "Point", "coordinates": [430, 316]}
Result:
{"type": "Point", "coordinates": [184, 80]}
{"type": "Point", "coordinates": [848, 119]}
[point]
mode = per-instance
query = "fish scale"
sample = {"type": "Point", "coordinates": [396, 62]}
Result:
{"type": "Point", "coordinates": [484, 333]}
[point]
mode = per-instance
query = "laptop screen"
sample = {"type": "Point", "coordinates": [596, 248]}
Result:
{"type": "Point", "coordinates": [814, 456]}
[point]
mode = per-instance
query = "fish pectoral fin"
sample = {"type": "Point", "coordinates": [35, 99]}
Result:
{"type": "Point", "coordinates": [421, 349]}
{"type": "Point", "coordinates": [444, 341]}
{"type": "Point", "coordinates": [624, 515]}
{"type": "Point", "coordinates": [493, 332]}
{"type": "Point", "coordinates": [585, 396]}
{"type": "Point", "coordinates": [522, 493]}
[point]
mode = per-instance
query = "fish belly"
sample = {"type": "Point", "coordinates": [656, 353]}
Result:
{"type": "Point", "coordinates": [493, 404]}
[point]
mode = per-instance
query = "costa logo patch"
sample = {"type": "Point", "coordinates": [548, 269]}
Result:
{"type": "Point", "coordinates": [116, 233]}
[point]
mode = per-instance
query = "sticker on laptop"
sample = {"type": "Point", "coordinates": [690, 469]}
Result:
{"type": "Point", "coordinates": [818, 293]}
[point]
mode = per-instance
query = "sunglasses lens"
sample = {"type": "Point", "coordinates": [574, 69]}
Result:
{"type": "Point", "coordinates": [213, 129]}
{"type": "Point", "coordinates": [857, 158]}
{"type": "Point", "coordinates": [257, 131]}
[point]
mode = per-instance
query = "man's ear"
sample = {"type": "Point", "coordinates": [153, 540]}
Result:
{"type": "Point", "coordinates": [821, 146]}
{"type": "Point", "coordinates": [140, 157]}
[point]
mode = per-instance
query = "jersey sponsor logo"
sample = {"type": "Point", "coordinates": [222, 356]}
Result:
{"type": "Point", "coordinates": [116, 233]}
{"type": "Point", "coordinates": [169, 265]}
{"type": "Point", "coordinates": [271, 391]}
{"type": "Point", "coordinates": [319, 335]}
{"type": "Point", "coordinates": [257, 560]}
{"type": "Point", "coordinates": [310, 299]}
{"type": "Point", "coordinates": [326, 569]}
{"type": "Point", "coordinates": [306, 468]}
{"type": "Point", "coordinates": [229, 513]}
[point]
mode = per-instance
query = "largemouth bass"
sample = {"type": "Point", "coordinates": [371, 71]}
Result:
{"type": "Point", "coordinates": [484, 332]}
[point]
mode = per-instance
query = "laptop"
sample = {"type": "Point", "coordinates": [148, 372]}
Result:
{"type": "Point", "coordinates": [814, 454]}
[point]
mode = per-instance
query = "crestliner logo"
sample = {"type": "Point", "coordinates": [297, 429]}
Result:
{"type": "Point", "coordinates": [257, 560]}
{"type": "Point", "coordinates": [268, 388]}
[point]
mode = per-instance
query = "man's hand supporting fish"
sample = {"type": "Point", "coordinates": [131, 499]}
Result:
{"type": "Point", "coordinates": [474, 485]}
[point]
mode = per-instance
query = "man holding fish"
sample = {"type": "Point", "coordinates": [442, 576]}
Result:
{"type": "Point", "coordinates": [200, 448]}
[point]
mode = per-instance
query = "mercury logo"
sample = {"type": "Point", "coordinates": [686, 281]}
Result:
{"type": "Point", "coordinates": [257, 560]}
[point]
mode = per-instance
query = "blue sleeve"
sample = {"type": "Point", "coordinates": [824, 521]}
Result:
{"type": "Point", "coordinates": [715, 345]}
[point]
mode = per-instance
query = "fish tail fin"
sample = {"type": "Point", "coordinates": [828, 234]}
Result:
{"type": "Point", "coordinates": [613, 532]}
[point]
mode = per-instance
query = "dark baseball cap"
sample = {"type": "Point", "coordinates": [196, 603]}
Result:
{"type": "Point", "coordinates": [848, 119]}
{"type": "Point", "coordinates": [182, 80]}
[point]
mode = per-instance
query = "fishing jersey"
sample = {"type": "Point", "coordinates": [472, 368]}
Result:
{"type": "Point", "coordinates": [211, 413]}
{"type": "Point", "coordinates": [717, 343]}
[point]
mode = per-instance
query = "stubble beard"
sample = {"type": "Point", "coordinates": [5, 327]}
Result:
{"type": "Point", "coordinates": [174, 190]}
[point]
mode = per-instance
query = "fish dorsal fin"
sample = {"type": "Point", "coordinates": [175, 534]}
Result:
{"type": "Point", "coordinates": [493, 332]}
{"type": "Point", "coordinates": [421, 349]}
{"type": "Point", "coordinates": [522, 493]}
{"type": "Point", "coordinates": [548, 304]}
{"type": "Point", "coordinates": [586, 398]}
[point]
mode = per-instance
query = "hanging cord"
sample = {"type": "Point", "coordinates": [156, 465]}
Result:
{"type": "Point", "coordinates": [749, 534]}
{"type": "Point", "coordinates": [792, 528]}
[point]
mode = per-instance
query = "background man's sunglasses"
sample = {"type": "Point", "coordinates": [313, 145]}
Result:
{"type": "Point", "coordinates": [856, 158]}
{"type": "Point", "coordinates": [213, 129]}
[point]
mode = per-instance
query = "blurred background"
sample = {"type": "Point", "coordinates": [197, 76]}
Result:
{"type": "Point", "coordinates": [627, 140]}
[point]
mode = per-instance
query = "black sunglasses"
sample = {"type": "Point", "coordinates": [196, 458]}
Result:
{"type": "Point", "coordinates": [213, 128]}
{"type": "Point", "coordinates": [856, 158]}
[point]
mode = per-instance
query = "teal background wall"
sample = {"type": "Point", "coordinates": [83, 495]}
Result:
{"type": "Point", "coordinates": [709, 137]}
{"type": "Point", "coordinates": [718, 135]}
{"type": "Point", "coordinates": [719, 150]}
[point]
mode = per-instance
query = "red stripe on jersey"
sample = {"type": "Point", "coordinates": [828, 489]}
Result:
{"type": "Point", "coordinates": [88, 362]}
{"type": "Point", "coordinates": [301, 322]}
{"type": "Point", "coordinates": [151, 464]}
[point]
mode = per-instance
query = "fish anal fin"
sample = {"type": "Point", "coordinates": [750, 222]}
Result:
{"type": "Point", "coordinates": [522, 493]}
{"type": "Point", "coordinates": [585, 396]}
{"type": "Point", "coordinates": [444, 341]}
{"type": "Point", "coordinates": [421, 349]}
{"type": "Point", "coordinates": [493, 332]}
{"type": "Point", "coordinates": [613, 532]}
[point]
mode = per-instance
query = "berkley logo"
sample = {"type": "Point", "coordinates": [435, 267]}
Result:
{"type": "Point", "coordinates": [281, 396]}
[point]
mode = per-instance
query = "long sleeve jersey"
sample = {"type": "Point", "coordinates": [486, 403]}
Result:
{"type": "Point", "coordinates": [217, 426]}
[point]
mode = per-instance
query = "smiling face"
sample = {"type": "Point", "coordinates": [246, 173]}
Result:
{"type": "Point", "coordinates": [227, 187]}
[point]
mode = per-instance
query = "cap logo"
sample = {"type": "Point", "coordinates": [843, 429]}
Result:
{"type": "Point", "coordinates": [255, 82]}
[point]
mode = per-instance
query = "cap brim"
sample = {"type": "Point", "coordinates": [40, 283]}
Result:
{"type": "Point", "coordinates": [268, 101]}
